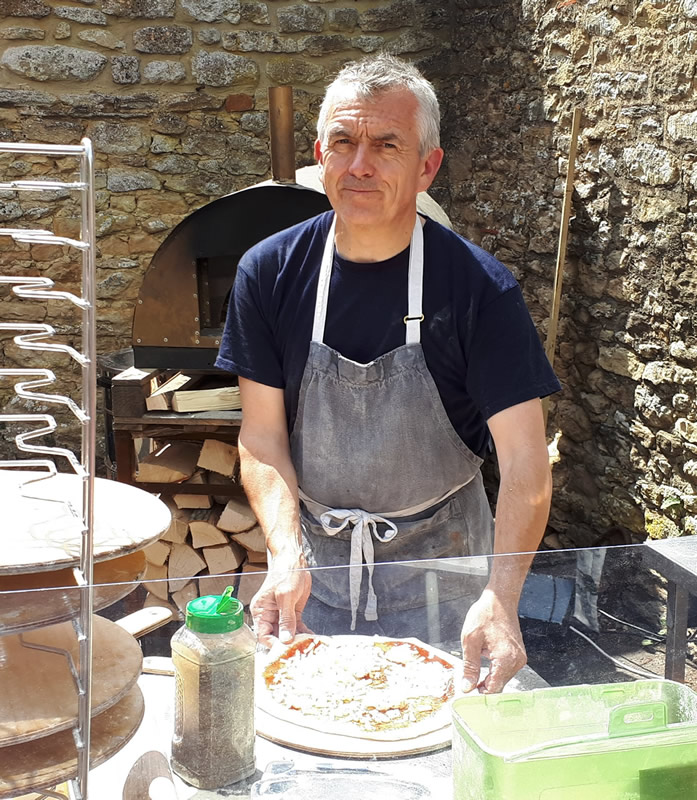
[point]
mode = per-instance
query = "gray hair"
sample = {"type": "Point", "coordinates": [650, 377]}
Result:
{"type": "Point", "coordinates": [383, 73]}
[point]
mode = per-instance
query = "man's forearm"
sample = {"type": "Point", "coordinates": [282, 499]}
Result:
{"type": "Point", "coordinates": [521, 516]}
{"type": "Point", "coordinates": [271, 486]}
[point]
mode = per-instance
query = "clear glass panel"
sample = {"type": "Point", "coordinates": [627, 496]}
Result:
{"type": "Point", "coordinates": [596, 617]}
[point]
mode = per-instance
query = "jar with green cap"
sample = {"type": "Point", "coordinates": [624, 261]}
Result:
{"type": "Point", "coordinates": [213, 656]}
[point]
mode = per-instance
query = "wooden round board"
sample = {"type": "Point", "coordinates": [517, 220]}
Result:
{"type": "Point", "coordinates": [42, 523]}
{"type": "Point", "coordinates": [39, 695]}
{"type": "Point", "coordinates": [34, 599]}
{"type": "Point", "coordinates": [305, 738]}
{"type": "Point", "coordinates": [48, 761]}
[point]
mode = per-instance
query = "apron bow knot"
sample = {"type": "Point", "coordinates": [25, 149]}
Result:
{"type": "Point", "coordinates": [363, 527]}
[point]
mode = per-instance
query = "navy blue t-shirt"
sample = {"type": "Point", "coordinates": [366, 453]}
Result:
{"type": "Point", "coordinates": [479, 342]}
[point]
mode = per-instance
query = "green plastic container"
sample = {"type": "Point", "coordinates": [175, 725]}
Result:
{"type": "Point", "coordinates": [616, 741]}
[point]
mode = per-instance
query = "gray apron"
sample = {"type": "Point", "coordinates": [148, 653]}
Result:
{"type": "Point", "coordinates": [383, 475]}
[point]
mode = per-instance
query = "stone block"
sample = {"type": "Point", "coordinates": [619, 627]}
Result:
{"type": "Point", "coordinates": [213, 10]}
{"type": "Point", "coordinates": [683, 126]}
{"type": "Point", "coordinates": [294, 71]}
{"type": "Point", "coordinates": [163, 144]}
{"type": "Point", "coordinates": [102, 38]}
{"type": "Point", "coordinates": [659, 526]}
{"type": "Point", "coordinates": [121, 179]}
{"type": "Point", "coordinates": [651, 165]}
{"type": "Point", "coordinates": [125, 69]}
{"type": "Point", "coordinates": [324, 44]}
{"type": "Point", "coordinates": [239, 102]}
{"type": "Point", "coordinates": [368, 44]}
{"type": "Point", "coordinates": [164, 72]}
{"type": "Point", "coordinates": [169, 123]}
{"type": "Point", "coordinates": [223, 69]}
{"type": "Point", "coordinates": [687, 430]}
{"type": "Point", "coordinates": [257, 13]}
{"type": "Point", "coordinates": [387, 17]}
{"type": "Point", "coordinates": [163, 39]}
{"type": "Point", "coordinates": [134, 9]}
{"type": "Point", "coordinates": [53, 63]}
{"type": "Point", "coordinates": [689, 8]}
{"type": "Point", "coordinates": [301, 19]}
{"type": "Point", "coordinates": [118, 137]}
{"type": "Point", "coordinates": [660, 372]}
{"type": "Point", "coordinates": [258, 42]}
{"type": "Point", "coordinates": [173, 164]}
{"type": "Point", "coordinates": [209, 36]}
{"type": "Point", "coordinates": [85, 16]}
{"type": "Point", "coordinates": [24, 8]}
{"type": "Point", "coordinates": [193, 101]}
{"type": "Point", "coordinates": [343, 19]}
{"type": "Point", "coordinates": [255, 122]}
{"type": "Point", "coordinates": [22, 33]}
{"type": "Point", "coordinates": [620, 361]}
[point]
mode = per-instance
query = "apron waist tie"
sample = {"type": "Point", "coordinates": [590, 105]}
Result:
{"type": "Point", "coordinates": [363, 527]}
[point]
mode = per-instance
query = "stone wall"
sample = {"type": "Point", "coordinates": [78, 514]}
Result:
{"type": "Point", "coordinates": [627, 347]}
{"type": "Point", "coordinates": [173, 94]}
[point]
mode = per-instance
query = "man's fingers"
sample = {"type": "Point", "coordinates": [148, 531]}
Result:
{"type": "Point", "coordinates": [286, 615]}
{"type": "Point", "coordinates": [502, 669]}
{"type": "Point", "coordinates": [472, 659]}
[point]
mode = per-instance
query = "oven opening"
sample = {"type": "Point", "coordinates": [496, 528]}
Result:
{"type": "Point", "coordinates": [214, 278]}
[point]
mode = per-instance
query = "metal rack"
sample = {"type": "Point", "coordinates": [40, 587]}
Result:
{"type": "Point", "coordinates": [36, 336]}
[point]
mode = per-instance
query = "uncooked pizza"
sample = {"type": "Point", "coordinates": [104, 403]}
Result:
{"type": "Point", "coordinates": [359, 686]}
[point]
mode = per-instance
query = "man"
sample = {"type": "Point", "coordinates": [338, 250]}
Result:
{"type": "Point", "coordinates": [378, 352]}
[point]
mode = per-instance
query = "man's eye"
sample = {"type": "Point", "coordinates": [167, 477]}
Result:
{"type": "Point", "coordinates": [389, 145]}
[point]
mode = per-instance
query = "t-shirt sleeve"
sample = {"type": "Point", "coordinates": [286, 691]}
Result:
{"type": "Point", "coordinates": [507, 364]}
{"type": "Point", "coordinates": [248, 347]}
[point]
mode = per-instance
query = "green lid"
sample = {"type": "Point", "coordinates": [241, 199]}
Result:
{"type": "Point", "coordinates": [215, 613]}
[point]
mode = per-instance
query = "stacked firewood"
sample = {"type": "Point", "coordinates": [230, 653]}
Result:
{"type": "Point", "coordinates": [214, 540]}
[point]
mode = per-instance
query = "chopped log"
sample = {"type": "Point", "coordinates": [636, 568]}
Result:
{"type": "Point", "coordinates": [184, 562]}
{"type": "Point", "coordinates": [179, 526]}
{"type": "Point", "coordinates": [225, 398]}
{"type": "Point", "coordinates": [257, 557]}
{"type": "Point", "coordinates": [146, 620]}
{"type": "Point", "coordinates": [182, 596]}
{"type": "Point", "coordinates": [204, 532]}
{"type": "Point", "coordinates": [153, 600]}
{"type": "Point", "coordinates": [128, 390]}
{"type": "Point", "coordinates": [253, 540]}
{"type": "Point", "coordinates": [218, 457]}
{"type": "Point", "coordinates": [251, 579]}
{"type": "Point", "coordinates": [157, 553]}
{"type": "Point", "coordinates": [183, 500]}
{"type": "Point", "coordinates": [224, 557]}
{"type": "Point", "coordinates": [216, 584]}
{"type": "Point", "coordinates": [172, 463]}
{"type": "Point", "coordinates": [154, 580]}
{"type": "Point", "coordinates": [160, 398]}
{"type": "Point", "coordinates": [237, 517]}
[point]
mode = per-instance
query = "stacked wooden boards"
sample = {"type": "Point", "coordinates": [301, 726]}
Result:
{"type": "Point", "coordinates": [41, 534]}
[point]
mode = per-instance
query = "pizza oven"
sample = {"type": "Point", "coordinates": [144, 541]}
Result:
{"type": "Point", "coordinates": [181, 307]}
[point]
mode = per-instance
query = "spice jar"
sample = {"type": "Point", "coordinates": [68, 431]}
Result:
{"type": "Point", "coordinates": [213, 656]}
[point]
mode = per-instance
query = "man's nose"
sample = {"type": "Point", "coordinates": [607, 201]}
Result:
{"type": "Point", "coordinates": [362, 163]}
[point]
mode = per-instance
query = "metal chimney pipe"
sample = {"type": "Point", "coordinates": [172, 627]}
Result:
{"type": "Point", "coordinates": [281, 134]}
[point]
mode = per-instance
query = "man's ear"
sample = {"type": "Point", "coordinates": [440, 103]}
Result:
{"type": "Point", "coordinates": [318, 151]}
{"type": "Point", "coordinates": [431, 165]}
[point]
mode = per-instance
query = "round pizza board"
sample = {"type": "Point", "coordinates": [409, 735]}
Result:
{"type": "Point", "coordinates": [39, 695]}
{"type": "Point", "coordinates": [34, 599]}
{"type": "Point", "coordinates": [45, 762]}
{"type": "Point", "coordinates": [42, 520]}
{"type": "Point", "coordinates": [304, 737]}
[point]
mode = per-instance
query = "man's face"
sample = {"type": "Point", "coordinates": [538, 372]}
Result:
{"type": "Point", "coordinates": [370, 162]}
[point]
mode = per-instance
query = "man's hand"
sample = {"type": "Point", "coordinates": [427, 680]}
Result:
{"type": "Point", "coordinates": [491, 630]}
{"type": "Point", "coordinates": [277, 607]}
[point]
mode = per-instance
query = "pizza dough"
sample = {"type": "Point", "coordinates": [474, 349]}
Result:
{"type": "Point", "coordinates": [364, 687]}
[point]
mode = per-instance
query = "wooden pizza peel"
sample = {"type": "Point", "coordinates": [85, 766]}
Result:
{"type": "Point", "coordinates": [305, 738]}
{"type": "Point", "coordinates": [42, 522]}
{"type": "Point", "coordinates": [34, 599]}
{"type": "Point", "coordinates": [52, 759]}
{"type": "Point", "coordinates": [38, 691]}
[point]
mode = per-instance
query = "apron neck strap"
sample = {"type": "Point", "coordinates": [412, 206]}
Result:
{"type": "Point", "coordinates": [414, 316]}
